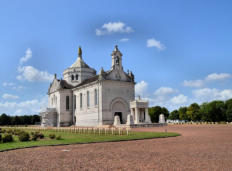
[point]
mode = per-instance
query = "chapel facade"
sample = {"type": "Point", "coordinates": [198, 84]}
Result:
{"type": "Point", "coordinates": [87, 98]}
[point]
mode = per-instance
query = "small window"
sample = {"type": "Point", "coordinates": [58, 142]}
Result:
{"type": "Point", "coordinates": [87, 98]}
{"type": "Point", "coordinates": [72, 77]}
{"type": "Point", "coordinates": [117, 60]}
{"type": "Point", "coordinates": [95, 97]}
{"type": "Point", "coordinates": [76, 77]}
{"type": "Point", "coordinates": [80, 100]}
{"type": "Point", "coordinates": [74, 101]}
{"type": "Point", "coordinates": [67, 102]}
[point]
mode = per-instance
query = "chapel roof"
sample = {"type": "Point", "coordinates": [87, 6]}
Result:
{"type": "Point", "coordinates": [64, 84]}
{"type": "Point", "coordinates": [79, 63]}
{"type": "Point", "coordinates": [59, 85]}
{"type": "Point", "coordinates": [89, 80]}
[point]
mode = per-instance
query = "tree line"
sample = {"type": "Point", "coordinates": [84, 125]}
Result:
{"type": "Point", "coordinates": [214, 111]}
{"type": "Point", "coordinates": [19, 120]}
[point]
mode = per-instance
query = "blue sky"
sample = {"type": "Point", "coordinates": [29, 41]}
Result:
{"type": "Point", "coordinates": [179, 51]}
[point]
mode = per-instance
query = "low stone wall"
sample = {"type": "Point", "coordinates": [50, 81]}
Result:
{"type": "Point", "coordinates": [142, 125]}
{"type": "Point", "coordinates": [148, 125]}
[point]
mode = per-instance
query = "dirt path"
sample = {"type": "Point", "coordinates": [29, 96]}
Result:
{"type": "Point", "coordinates": [201, 147]}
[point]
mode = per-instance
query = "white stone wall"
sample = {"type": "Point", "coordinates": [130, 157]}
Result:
{"type": "Point", "coordinates": [57, 100]}
{"type": "Point", "coordinates": [54, 101]}
{"type": "Point", "coordinates": [65, 117]}
{"type": "Point", "coordinates": [88, 116]}
{"type": "Point", "coordinates": [116, 94]}
{"type": "Point", "coordinates": [111, 94]}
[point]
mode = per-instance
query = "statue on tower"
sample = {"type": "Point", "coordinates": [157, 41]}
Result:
{"type": "Point", "coordinates": [79, 52]}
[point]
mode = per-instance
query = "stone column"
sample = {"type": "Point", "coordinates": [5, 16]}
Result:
{"type": "Point", "coordinates": [132, 113]}
{"type": "Point", "coordinates": [136, 115]}
{"type": "Point", "coordinates": [130, 120]}
{"type": "Point", "coordinates": [147, 116]}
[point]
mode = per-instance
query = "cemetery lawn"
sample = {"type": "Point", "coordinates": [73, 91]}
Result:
{"type": "Point", "coordinates": [81, 138]}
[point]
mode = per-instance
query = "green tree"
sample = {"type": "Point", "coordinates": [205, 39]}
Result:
{"type": "Point", "coordinates": [193, 112]}
{"type": "Point", "coordinates": [16, 120]}
{"type": "Point", "coordinates": [204, 111]}
{"type": "Point", "coordinates": [155, 111]}
{"type": "Point", "coordinates": [228, 108]}
{"type": "Point", "coordinates": [217, 111]}
{"type": "Point", "coordinates": [174, 115]}
{"type": "Point", "coordinates": [5, 119]}
{"type": "Point", "coordinates": [35, 119]}
{"type": "Point", "coordinates": [25, 120]}
{"type": "Point", "coordinates": [183, 113]}
{"type": "Point", "coordinates": [19, 120]}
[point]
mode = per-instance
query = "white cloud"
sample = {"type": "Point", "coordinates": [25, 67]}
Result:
{"type": "Point", "coordinates": [6, 84]}
{"type": "Point", "coordinates": [24, 107]}
{"type": "Point", "coordinates": [124, 40]}
{"type": "Point", "coordinates": [208, 94]}
{"type": "Point", "coordinates": [155, 43]}
{"type": "Point", "coordinates": [9, 96]}
{"type": "Point", "coordinates": [32, 74]}
{"type": "Point", "coordinates": [113, 27]}
{"type": "Point", "coordinates": [180, 99]}
{"type": "Point", "coordinates": [210, 77]}
{"type": "Point", "coordinates": [193, 83]}
{"type": "Point", "coordinates": [19, 112]}
{"type": "Point", "coordinates": [141, 88]}
{"type": "Point", "coordinates": [170, 102]}
{"type": "Point", "coordinates": [163, 95]}
{"type": "Point", "coordinates": [164, 91]}
{"type": "Point", "coordinates": [216, 77]}
{"type": "Point", "coordinates": [12, 86]}
{"type": "Point", "coordinates": [28, 55]}
{"type": "Point", "coordinates": [18, 87]}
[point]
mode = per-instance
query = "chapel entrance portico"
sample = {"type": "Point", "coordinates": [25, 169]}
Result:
{"type": "Point", "coordinates": [139, 111]}
{"type": "Point", "coordinates": [120, 108]}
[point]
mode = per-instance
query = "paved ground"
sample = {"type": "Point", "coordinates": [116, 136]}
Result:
{"type": "Point", "coordinates": [201, 147]}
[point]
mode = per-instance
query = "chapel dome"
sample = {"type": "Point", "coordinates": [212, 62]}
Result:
{"type": "Point", "coordinates": [79, 63]}
{"type": "Point", "coordinates": [78, 71]}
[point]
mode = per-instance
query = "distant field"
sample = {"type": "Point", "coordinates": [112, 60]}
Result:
{"type": "Point", "coordinates": [75, 138]}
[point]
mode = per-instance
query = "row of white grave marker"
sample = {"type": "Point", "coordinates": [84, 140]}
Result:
{"type": "Point", "coordinates": [82, 130]}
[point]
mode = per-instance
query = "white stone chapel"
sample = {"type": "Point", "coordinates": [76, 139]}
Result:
{"type": "Point", "coordinates": [85, 98]}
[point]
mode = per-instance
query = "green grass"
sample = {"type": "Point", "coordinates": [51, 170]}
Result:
{"type": "Point", "coordinates": [75, 138]}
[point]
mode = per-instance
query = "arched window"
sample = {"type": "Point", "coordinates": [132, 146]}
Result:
{"type": "Point", "coordinates": [95, 97]}
{"type": "Point", "coordinates": [72, 77]}
{"type": "Point", "coordinates": [67, 102]}
{"type": "Point", "coordinates": [80, 100]}
{"type": "Point", "coordinates": [87, 98]}
{"type": "Point", "coordinates": [117, 60]}
{"type": "Point", "coordinates": [74, 101]}
{"type": "Point", "coordinates": [77, 77]}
